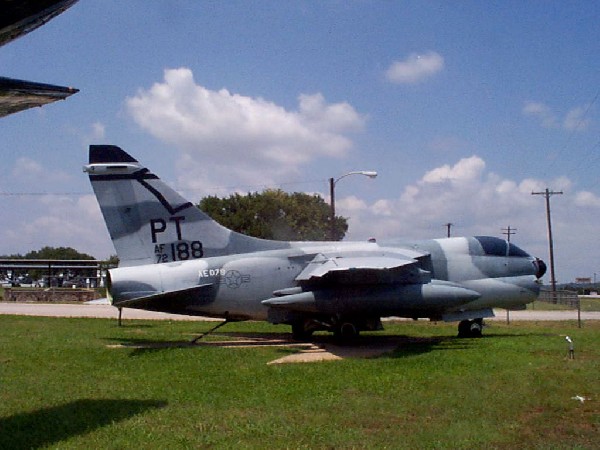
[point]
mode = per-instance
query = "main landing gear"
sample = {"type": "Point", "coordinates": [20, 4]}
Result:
{"type": "Point", "coordinates": [343, 328]}
{"type": "Point", "coordinates": [470, 328]}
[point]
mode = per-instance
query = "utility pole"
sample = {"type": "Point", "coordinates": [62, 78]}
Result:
{"type": "Point", "coordinates": [508, 232]}
{"type": "Point", "coordinates": [448, 226]}
{"type": "Point", "coordinates": [547, 194]}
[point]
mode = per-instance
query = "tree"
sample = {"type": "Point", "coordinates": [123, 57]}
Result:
{"type": "Point", "coordinates": [57, 253]}
{"type": "Point", "coordinates": [275, 214]}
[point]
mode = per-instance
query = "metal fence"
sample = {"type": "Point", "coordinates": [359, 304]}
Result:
{"type": "Point", "coordinates": [570, 299]}
{"type": "Point", "coordinates": [560, 297]}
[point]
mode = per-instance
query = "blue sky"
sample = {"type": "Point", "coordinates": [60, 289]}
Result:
{"type": "Point", "coordinates": [463, 108]}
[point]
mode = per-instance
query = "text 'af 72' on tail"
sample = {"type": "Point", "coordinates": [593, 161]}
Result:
{"type": "Point", "coordinates": [174, 258]}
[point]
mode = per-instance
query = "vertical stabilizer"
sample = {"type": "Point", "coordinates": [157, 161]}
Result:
{"type": "Point", "coordinates": [149, 222]}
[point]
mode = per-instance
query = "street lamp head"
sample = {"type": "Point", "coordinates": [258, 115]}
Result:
{"type": "Point", "coordinates": [369, 173]}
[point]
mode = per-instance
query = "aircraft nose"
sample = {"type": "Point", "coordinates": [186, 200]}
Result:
{"type": "Point", "coordinates": [540, 267]}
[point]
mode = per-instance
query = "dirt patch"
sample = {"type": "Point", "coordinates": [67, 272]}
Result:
{"type": "Point", "coordinates": [332, 352]}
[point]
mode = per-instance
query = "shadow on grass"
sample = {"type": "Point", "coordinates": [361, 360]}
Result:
{"type": "Point", "coordinates": [48, 426]}
{"type": "Point", "coordinates": [232, 339]}
{"type": "Point", "coordinates": [362, 347]}
{"type": "Point", "coordinates": [413, 346]}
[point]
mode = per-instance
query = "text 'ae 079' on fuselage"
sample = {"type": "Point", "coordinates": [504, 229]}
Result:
{"type": "Point", "coordinates": [174, 258]}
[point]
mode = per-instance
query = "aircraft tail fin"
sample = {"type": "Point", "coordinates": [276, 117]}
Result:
{"type": "Point", "coordinates": [151, 223]}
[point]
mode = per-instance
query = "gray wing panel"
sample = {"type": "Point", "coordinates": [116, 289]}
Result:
{"type": "Point", "coordinates": [362, 270]}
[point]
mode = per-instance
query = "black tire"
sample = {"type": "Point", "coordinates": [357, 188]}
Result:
{"type": "Point", "coordinates": [470, 328]}
{"type": "Point", "coordinates": [464, 329]}
{"type": "Point", "coordinates": [346, 331]}
{"type": "Point", "coordinates": [299, 331]}
{"type": "Point", "coordinates": [476, 328]}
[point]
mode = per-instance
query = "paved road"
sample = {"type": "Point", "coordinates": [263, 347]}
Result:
{"type": "Point", "coordinates": [86, 310]}
{"type": "Point", "coordinates": [107, 311]}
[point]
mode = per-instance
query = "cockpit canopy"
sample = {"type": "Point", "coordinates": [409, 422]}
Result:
{"type": "Point", "coordinates": [499, 247]}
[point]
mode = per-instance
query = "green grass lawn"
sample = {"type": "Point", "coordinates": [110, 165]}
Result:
{"type": "Point", "coordinates": [62, 385]}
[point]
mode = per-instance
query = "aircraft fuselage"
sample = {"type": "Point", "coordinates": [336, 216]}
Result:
{"type": "Point", "coordinates": [237, 285]}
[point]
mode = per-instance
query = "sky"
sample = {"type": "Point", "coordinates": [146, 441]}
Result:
{"type": "Point", "coordinates": [463, 108]}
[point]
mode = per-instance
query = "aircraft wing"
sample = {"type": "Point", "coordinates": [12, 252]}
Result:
{"type": "Point", "coordinates": [353, 270]}
{"type": "Point", "coordinates": [22, 16]}
{"type": "Point", "coordinates": [18, 95]}
{"type": "Point", "coordinates": [17, 18]}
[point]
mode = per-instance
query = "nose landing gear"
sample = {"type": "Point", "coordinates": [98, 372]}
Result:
{"type": "Point", "coordinates": [470, 328]}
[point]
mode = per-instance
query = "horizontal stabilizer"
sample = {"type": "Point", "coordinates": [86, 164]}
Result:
{"type": "Point", "coordinates": [176, 302]}
{"type": "Point", "coordinates": [99, 301]}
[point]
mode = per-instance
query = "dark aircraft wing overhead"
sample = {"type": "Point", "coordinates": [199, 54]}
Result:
{"type": "Point", "coordinates": [18, 95]}
{"type": "Point", "coordinates": [19, 17]}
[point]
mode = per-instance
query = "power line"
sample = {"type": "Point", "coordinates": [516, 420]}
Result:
{"type": "Point", "coordinates": [40, 194]}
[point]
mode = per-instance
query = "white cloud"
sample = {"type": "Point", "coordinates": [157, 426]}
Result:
{"type": "Point", "coordinates": [351, 203]}
{"type": "Point", "coordinates": [30, 170]}
{"type": "Point", "coordinates": [587, 199]}
{"type": "Point", "coordinates": [542, 112]}
{"type": "Point", "coordinates": [27, 167]}
{"type": "Point", "coordinates": [57, 221]}
{"type": "Point", "coordinates": [98, 131]}
{"type": "Point", "coordinates": [478, 201]}
{"type": "Point", "coordinates": [415, 68]}
{"type": "Point", "coordinates": [574, 120]}
{"type": "Point", "coordinates": [215, 128]}
{"type": "Point", "coordinates": [464, 170]}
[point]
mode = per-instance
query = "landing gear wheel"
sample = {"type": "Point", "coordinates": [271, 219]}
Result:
{"type": "Point", "coordinates": [300, 332]}
{"type": "Point", "coordinates": [346, 330]}
{"type": "Point", "coordinates": [476, 327]}
{"type": "Point", "coordinates": [470, 328]}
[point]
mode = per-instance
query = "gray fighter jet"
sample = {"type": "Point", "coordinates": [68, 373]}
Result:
{"type": "Point", "coordinates": [174, 258]}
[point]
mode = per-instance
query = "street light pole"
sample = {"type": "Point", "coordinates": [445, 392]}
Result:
{"type": "Point", "coordinates": [332, 183]}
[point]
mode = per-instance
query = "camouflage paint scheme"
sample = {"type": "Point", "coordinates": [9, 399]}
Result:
{"type": "Point", "coordinates": [174, 258]}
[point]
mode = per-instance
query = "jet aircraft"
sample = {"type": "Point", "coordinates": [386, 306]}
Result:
{"type": "Point", "coordinates": [174, 258]}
